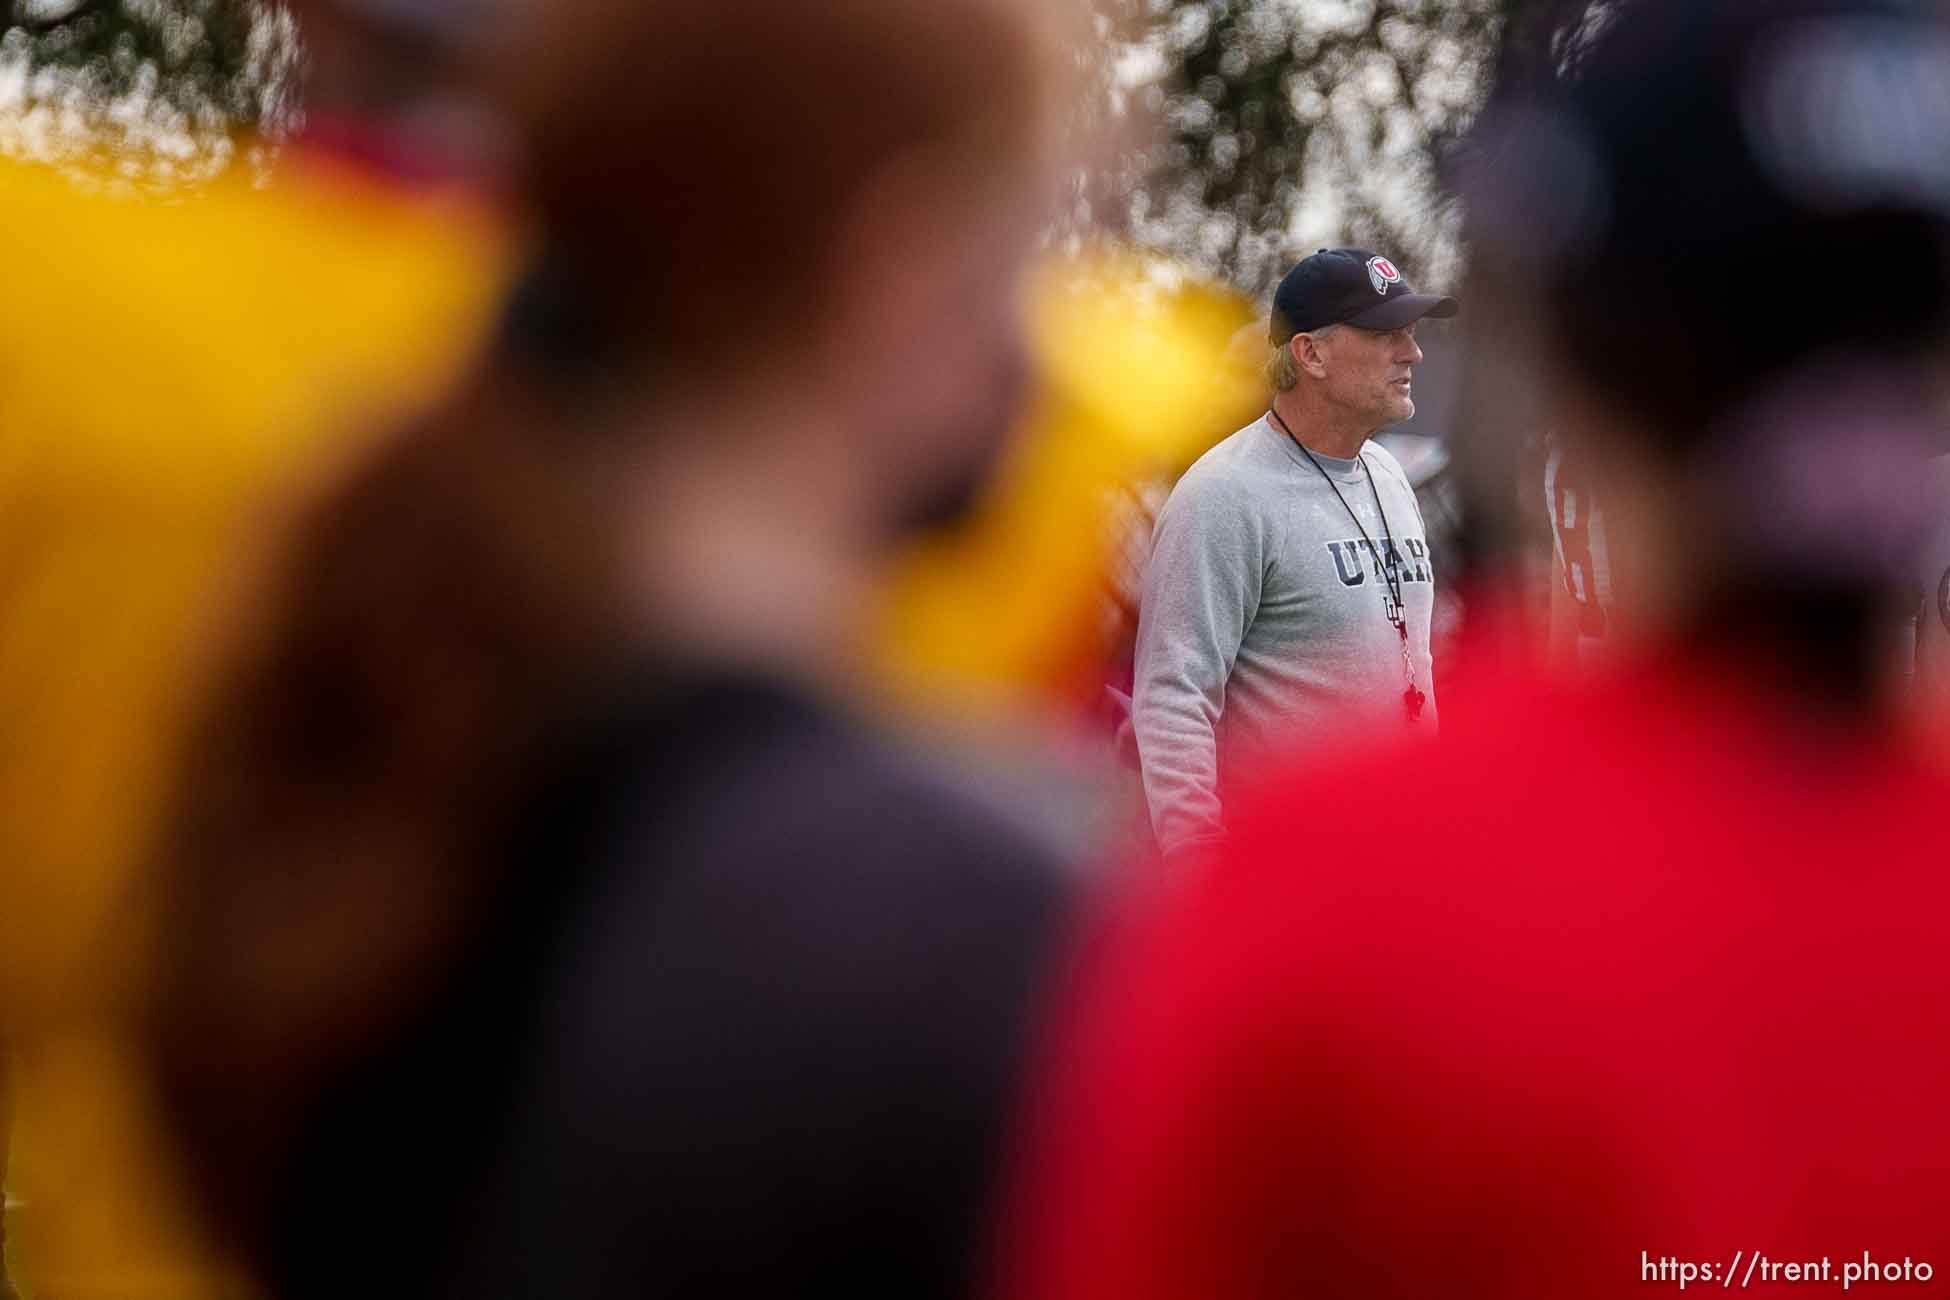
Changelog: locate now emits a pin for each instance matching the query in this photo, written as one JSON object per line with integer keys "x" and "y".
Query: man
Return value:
{"x": 1639, "y": 985}
{"x": 1290, "y": 586}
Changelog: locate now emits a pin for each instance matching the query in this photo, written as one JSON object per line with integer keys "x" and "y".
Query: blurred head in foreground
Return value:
{"x": 844, "y": 268}
{"x": 1463, "y": 1021}
{"x": 392, "y": 87}
{"x": 376, "y": 56}
{"x": 1719, "y": 247}
{"x": 771, "y": 326}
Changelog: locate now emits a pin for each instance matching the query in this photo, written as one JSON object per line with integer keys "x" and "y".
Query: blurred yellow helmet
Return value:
{"x": 1135, "y": 380}
{"x": 169, "y": 372}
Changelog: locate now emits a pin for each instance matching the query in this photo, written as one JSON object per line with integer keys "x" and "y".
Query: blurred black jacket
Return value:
{"x": 751, "y": 1024}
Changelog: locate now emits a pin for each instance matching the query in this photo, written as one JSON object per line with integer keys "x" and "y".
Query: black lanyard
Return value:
{"x": 1390, "y": 564}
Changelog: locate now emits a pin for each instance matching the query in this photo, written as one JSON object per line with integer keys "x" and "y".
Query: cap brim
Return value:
{"x": 1404, "y": 309}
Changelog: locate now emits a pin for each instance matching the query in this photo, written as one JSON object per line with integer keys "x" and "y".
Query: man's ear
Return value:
{"x": 1307, "y": 354}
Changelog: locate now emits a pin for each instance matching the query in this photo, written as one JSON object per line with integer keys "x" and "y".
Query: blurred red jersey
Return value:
{"x": 1640, "y": 987}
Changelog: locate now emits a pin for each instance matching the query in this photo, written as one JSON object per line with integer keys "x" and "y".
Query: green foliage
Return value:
{"x": 1295, "y": 123}
{"x": 155, "y": 91}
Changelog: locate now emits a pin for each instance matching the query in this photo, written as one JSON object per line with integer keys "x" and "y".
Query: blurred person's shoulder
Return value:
{"x": 1559, "y": 813}
{"x": 782, "y": 1002}
{"x": 1557, "y": 955}
{"x": 746, "y": 796}
{"x": 750, "y": 854}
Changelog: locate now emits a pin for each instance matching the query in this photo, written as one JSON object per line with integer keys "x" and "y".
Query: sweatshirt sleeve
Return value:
{"x": 1201, "y": 589}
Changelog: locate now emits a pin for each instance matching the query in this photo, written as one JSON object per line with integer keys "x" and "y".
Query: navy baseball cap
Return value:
{"x": 1349, "y": 286}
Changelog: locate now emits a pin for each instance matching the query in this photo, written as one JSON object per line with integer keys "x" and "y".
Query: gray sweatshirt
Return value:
{"x": 1264, "y": 625}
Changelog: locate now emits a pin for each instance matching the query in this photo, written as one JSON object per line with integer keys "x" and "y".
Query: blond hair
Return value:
{"x": 1282, "y": 369}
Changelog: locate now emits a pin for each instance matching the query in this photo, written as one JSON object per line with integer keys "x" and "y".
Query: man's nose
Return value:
{"x": 1413, "y": 354}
